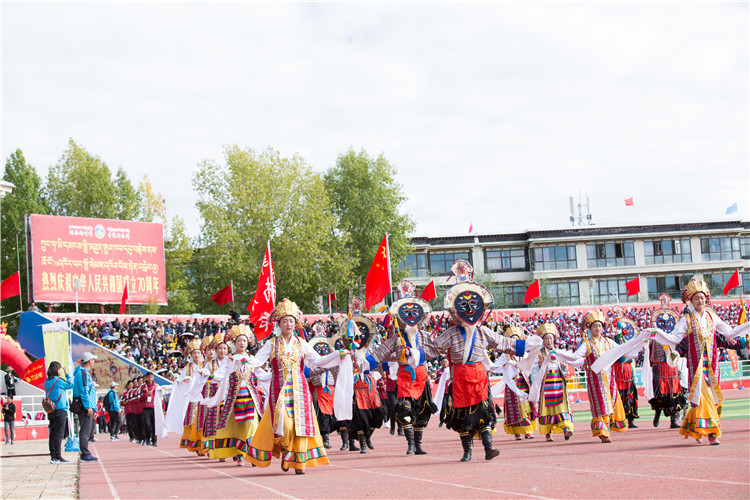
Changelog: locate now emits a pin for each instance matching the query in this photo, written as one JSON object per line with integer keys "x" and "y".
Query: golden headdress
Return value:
{"x": 545, "y": 328}
{"x": 286, "y": 308}
{"x": 592, "y": 317}
{"x": 193, "y": 345}
{"x": 219, "y": 338}
{"x": 515, "y": 330}
{"x": 206, "y": 343}
{"x": 237, "y": 331}
{"x": 694, "y": 287}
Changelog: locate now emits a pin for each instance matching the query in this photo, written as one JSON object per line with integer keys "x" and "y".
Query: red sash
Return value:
{"x": 469, "y": 385}
{"x": 409, "y": 389}
{"x": 325, "y": 400}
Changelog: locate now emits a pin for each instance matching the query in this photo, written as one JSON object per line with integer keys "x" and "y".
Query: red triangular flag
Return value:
{"x": 265, "y": 298}
{"x": 733, "y": 282}
{"x": 224, "y": 295}
{"x": 629, "y": 202}
{"x": 378, "y": 283}
{"x": 124, "y": 298}
{"x": 331, "y": 298}
{"x": 633, "y": 286}
{"x": 11, "y": 286}
{"x": 532, "y": 292}
{"x": 429, "y": 292}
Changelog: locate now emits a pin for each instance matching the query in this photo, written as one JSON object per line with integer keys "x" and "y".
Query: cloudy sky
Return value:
{"x": 493, "y": 113}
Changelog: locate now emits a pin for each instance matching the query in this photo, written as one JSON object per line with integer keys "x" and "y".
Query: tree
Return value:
{"x": 256, "y": 197}
{"x": 26, "y": 198}
{"x": 178, "y": 254}
{"x": 367, "y": 200}
{"x": 152, "y": 203}
{"x": 127, "y": 199}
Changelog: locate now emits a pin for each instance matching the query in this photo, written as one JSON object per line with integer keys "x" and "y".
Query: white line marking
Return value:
{"x": 106, "y": 476}
{"x": 229, "y": 475}
{"x": 502, "y": 492}
{"x": 678, "y": 457}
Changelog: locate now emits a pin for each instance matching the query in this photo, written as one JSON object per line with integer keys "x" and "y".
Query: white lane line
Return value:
{"x": 677, "y": 457}
{"x": 106, "y": 475}
{"x": 280, "y": 493}
{"x": 442, "y": 483}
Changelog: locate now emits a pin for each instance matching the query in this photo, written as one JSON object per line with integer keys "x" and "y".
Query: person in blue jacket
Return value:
{"x": 113, "y": 408}
{"x": 84, "y": 389}
{"x": 54, "y": 388}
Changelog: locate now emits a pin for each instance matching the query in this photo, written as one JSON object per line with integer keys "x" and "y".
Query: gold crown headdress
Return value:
{"x": 694, "y": 287}
{"x": 237, "y": 331}
{"x": 545, "y": 328}
{"x": 219, "y": 338}
{"x": 515, "y": 330}
{"x": 592, "y": 317}
{"x": 206, "y": 343}
{"x": 286, "y": 308}
{"x": 193, "y": 345}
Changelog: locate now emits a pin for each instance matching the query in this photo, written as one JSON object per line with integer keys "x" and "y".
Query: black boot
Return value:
{"x": 353, "y": 442}
{"x": 400, "y": 430}
{"x": 369, "y": 440}
{"x": 393, "y": 426}
{"x": 466, "y": 443}
{"x": 409, "y": 433}
{"x": 489, "y": 453}
{"x": 344, "y": 439}
{"x": 673, "y": 421}
{"x": 362, "y": 443}
{"x": 326, "y": 443}
{"x": 657, "y": 414}
{"x": 418, "y": 443}
{"x": 631, "y": 424}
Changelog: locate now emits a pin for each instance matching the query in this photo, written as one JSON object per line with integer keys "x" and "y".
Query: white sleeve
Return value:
{"x": 315, "y": 359}
{"x": 729, "y": 332}
{"x": 253, "y": 361}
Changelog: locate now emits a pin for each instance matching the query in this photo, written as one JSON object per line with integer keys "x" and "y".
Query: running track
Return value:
{"x": 644, "y": 462}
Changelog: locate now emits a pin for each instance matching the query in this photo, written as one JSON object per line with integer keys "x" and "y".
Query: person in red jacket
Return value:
{"x": 127, "y": 407}
{"x": 137, "y": 407}
{"x": 148, "y": 394}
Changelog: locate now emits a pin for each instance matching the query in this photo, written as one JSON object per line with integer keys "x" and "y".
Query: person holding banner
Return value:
{"x": 84, "y": 401}
{"x": 58, "y": 381}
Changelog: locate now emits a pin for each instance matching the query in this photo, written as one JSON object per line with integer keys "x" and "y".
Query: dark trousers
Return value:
{"x": 130, "y": 424}
{"x": 10, "y": 430}
{"x": 114, "y": 423}
{"x": 57, "y": 420}
{"x": 138, "y": 420}
{"x": 392, "y": 401}
{"x": 149, "y": 426}
{"x": 87, "y": 426}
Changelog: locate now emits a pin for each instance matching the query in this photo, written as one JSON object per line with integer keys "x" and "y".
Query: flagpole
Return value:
{"x": 18, "y": 262}
{"x": 231, "y": 288}
{"x": 390, "y": 277}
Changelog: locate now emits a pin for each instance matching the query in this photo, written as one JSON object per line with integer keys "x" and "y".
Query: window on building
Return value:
{"x": 610, "y": 254}
{"x": 417, "y": 263}
{"x": 745, "y": 247}
{"x": 555, "y": 257}
{"x": 717, "y": 280}
{"x": 608, "y": 291}
{"x": 671, "y": 284}
{"x": 720, "y": 248}
{"x": 563, "y": 293}
{"x": 508, "y": 296}
{"x": 441, "y": 262}
{"x": 667, "y": 251}
{"x": 505, "y": 259}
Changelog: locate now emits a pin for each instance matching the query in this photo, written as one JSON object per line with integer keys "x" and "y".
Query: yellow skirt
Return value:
{"x": 298, "y": 451}
{"x": 525, "y": 409}
{"x": 616, "y": 421}
{"x": 558, "y": 416}
{"x": 192, "y": 439}
{"x": 704, "y": 419}
{"x": 233, "y": 439}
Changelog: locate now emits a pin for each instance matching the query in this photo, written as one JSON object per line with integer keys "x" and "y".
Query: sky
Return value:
{"x": 493, "y": 113}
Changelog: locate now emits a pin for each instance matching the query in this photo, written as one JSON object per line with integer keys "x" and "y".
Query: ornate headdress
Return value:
{"x": 694, "y": 287}
{"x": 664, "y": 318}
{"x": 238, "y": 330}
{"x": 408, "y": 309}
{"x": 467, "y": 301}
{"x": 592, "y": 317}
{"x": 545, "y": 328}
{"x": 206, "y": 343}
{"x": 515, "y": 330}
{"x": 355, "y": 328}
{"x": 286, "y": 308}
{"x": 193, "y": 345}
{"x": 319, "y": 329}
{"x": 219, "y": 338}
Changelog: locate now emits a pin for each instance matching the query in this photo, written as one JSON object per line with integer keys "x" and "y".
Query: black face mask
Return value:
{"x": 469, "y": 307}
{"x": 411, "y": 314}
{"x": 665, "y": 322}
{"x": 364, "y": 334}
{"x": 322, "y": 348}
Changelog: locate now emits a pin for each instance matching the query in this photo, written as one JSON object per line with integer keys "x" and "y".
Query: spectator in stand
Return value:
{"x": 9, "y": 419}
{"x": 54, "y": 387}
{"x": 85, "y": 392}
{"x": 112, "y": 406}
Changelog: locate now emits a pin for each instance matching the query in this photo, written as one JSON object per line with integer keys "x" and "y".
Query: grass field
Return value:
{"x": 732, "y": 409}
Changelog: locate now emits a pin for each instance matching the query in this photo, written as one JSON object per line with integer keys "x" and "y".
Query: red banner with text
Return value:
{"x": 97, "y": 256}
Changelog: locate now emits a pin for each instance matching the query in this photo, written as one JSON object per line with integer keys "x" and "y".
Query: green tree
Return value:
{"x": 367, "y": 200}
{"x": 152, "y": 204}
{"x": 255, "y": 197}
{"x": 178, "y": 254}
{"x": 126, "y": 198}
{"x": 26, "y": 198}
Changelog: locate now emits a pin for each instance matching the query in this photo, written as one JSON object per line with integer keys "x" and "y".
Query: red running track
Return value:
{"x": 643, "y": 462}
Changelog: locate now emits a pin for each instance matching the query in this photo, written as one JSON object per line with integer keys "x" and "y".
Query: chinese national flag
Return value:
{"x": 629, "y": 202}
{"x": 532, "y": 292}
{"x": 11, "y": 286}
{"x": 124, "y": 298}
{"x": 429, "y": 292}
{"x": 633, "y": 286}
{"x": 378, "y": 283}
{"x": 224, "y": 295}
{"x": 265, "y": 298}
{"x": 733, "y": 282}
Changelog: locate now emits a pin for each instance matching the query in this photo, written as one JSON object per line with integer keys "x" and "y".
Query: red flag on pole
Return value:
{"x": 429, "y": 292}
{"x": 532, "y": 292}
{"x": 633, "y": 286}
{"x": 265, "y": 298}
{"x": 224, "y": 295}
{"x": 331, "y": 299}
{"x": 733, "y": 282}
{"x": 11, "y": 286}
{"x": 124, "y": 298}
{"x": 378, "y": 283}
{"x": 629, "y": 202}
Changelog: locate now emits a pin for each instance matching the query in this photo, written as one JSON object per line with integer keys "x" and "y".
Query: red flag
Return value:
{"x": 124, "y": 298}
{"x": 629, "y": 202}
{"x": 265, "y": 298}
{"x": 224, "y": 295}
{"x": 532, "y": 292}
{"x": 11, "y": 286}
{"x": 331, "y": 298}
{"x": 378, "y": 283}
{"x": 471, "y": 227}
{"x": 570, "y": 373}
{"x": 429, "y": 292}
{"x": 733, "y": 282}
{"x": 733, "y": 359}
{"x": 633, "y": 286}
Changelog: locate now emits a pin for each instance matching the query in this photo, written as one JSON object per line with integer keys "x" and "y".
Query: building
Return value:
{"x": 590, "y": 265}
